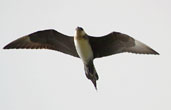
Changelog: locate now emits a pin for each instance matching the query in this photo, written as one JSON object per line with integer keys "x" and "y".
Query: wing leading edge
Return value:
{"x": 116, "y": 42}
{"x": 46, "y": 39}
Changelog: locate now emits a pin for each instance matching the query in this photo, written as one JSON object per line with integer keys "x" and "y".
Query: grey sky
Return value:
{"x": 50, "y": 80}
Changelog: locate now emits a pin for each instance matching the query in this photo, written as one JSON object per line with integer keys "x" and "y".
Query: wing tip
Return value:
{"x": 152, "y": 51}
{"x": 145, "y": 53}
{"x": 12, "y": 45}
{"x": 144, "y": 49}
{"x": 7, "y": 47}
{"x": 155, "y": 53}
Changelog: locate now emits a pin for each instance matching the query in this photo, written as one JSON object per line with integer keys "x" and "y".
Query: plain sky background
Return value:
{"x": 50, "y": 80}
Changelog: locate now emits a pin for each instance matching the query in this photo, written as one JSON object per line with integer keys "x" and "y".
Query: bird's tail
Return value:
{"x": 91, "y": 73}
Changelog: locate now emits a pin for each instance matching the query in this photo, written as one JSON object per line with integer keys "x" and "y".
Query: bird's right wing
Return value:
{"x": 46, "y": 39}
{"x": 116, "y": 42}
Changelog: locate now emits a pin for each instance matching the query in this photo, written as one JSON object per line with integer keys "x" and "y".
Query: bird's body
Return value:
{"x": 85, "y": 52}
{"x": 82, "y": 46}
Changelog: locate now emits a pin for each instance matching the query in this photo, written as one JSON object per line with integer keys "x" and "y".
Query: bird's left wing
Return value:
{"x": 46, "y": 39}
{"x": 116, "y": 42}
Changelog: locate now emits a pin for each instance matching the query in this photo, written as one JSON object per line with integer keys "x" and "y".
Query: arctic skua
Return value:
{"x": 83, "y": 46}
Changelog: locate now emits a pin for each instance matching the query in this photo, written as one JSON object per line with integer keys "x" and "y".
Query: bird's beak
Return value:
{"x": 77, "y": 28}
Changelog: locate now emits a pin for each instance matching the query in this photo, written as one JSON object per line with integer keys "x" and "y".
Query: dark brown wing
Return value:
{"x": 46, "y": 39}
{"x": 116, "y": 42}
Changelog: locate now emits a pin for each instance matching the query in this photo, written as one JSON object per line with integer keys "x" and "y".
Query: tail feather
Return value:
{"x": 91, "y": 73}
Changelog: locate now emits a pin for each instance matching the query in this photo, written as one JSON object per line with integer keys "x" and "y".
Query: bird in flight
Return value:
{"x": 83, "y": 46}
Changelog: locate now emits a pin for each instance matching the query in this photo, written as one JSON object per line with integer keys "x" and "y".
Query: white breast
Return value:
{"x": 84, "y": 49}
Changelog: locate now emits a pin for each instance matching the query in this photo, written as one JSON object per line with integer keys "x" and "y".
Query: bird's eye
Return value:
{"x": 81, "y": 28}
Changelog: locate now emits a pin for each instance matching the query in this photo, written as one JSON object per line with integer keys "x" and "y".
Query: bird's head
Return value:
{"x": 79, "y": 32}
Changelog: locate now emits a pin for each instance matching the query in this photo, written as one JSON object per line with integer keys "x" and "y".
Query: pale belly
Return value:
{"x": 84, "y": 49}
